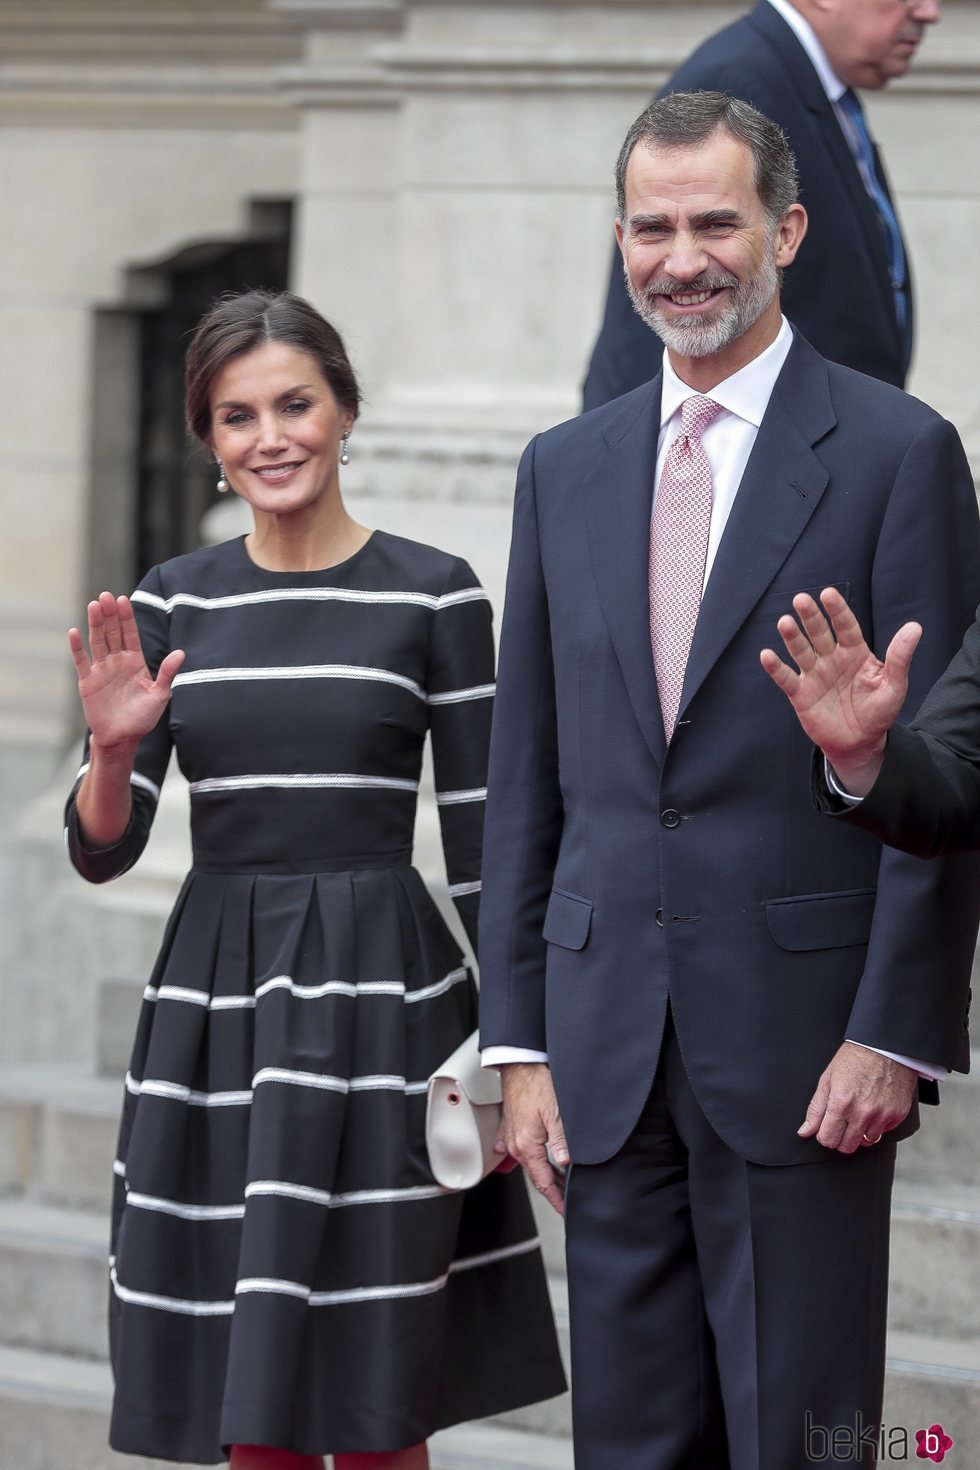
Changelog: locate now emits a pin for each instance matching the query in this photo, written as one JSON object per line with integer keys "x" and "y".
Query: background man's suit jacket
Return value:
{"x": 838, "y": 292}
{"x": 927, "y": 798}
{"x": 616, "y": 871}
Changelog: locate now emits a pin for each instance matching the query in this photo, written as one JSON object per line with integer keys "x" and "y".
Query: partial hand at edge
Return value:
{"x": 844, "y": 697}
{"x": 859, "y": 1097}
{"x": 532, "y": 1128}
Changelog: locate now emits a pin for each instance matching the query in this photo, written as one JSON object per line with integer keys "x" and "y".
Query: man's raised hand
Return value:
{"x": 844, "y": 697}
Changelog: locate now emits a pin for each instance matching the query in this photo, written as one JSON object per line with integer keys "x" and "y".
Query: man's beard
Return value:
{"x": 704, "y": 334}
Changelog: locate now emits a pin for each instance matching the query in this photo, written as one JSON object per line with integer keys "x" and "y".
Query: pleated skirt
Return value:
{"x": 284, "y": 1269}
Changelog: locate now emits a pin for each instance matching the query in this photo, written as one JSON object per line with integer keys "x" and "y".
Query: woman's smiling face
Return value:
{"x": 276, "y": 427}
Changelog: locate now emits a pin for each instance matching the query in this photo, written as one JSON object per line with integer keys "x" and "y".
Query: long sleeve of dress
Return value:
{"x": 460, "y": 696}
{"x": 99, "y": 865}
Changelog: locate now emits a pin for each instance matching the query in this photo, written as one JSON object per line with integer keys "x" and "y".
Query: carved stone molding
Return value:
{"x": 67, "y": 63}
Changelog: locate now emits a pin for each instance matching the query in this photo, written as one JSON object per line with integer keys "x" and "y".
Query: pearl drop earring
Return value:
{"x": 344, "y": 449}
{"x": 222, "y": 484}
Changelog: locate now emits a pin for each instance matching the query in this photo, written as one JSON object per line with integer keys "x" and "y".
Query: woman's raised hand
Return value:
{"x": 122, "y": 702}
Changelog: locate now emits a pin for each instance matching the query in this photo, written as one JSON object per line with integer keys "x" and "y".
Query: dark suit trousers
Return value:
{"x": 715, "y": 1303}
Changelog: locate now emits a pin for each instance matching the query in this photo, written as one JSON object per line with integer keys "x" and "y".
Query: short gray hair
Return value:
{"x": 687, "y": 119}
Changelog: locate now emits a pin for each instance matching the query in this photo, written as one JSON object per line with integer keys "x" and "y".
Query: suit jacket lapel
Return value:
{"x": 781, "y": 488}
{"x": 618, "y": 490}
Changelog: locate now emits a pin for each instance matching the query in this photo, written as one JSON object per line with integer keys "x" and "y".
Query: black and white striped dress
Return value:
{"x": 284, "y": 1269}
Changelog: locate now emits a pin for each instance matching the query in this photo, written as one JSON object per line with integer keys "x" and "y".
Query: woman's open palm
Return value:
{"x": 121, "y": 700}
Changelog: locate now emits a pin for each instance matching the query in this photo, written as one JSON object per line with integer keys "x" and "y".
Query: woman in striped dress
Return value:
{"x": 287, "y": 1280}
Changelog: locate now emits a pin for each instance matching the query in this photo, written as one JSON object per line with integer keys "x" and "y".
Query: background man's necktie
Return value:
{"x": 678, "y": 548}
{"x": 863, "y": 149}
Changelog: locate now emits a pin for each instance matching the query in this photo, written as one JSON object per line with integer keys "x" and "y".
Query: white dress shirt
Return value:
{"x": 728, "y": 441}
{"x": 807, "y": 37}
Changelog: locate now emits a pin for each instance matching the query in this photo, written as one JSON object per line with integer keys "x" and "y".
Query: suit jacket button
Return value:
{"x": 670, "y": 818}
{"x": 659, "y": 916}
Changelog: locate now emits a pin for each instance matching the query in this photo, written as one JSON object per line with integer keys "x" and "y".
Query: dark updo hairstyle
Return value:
{"x": 238, "y": 324}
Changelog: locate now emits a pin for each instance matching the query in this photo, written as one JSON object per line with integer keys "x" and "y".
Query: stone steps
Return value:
{"x": 69, "y": 1401}
{"x": 933, "y": 1381}
{"x": 935, "y": 1261}
{"x": 58, "y": 1127}
{"x": 944, "y": 1151}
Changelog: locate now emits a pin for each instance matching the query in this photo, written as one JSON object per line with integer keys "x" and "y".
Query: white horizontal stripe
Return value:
{"x": 394, "y": 988}
{"x": 379, "y": 1083}
{"x": 460, "y": 890}
{"x": 457, "y": 696}
{"x": 180, "y": 992}
{"x": 283, "y": 1189}
{"x": 135, "y": 779}
{"x": 351, "y": 1295}
{"x": 347, "y": 1296}
{"x": 376, "y": 1293}
{"x": 184, "y": 1212}
{"x": 454, "y": 798}
{"x": 468, "y": 594}
{"x": 489, "y": 1258}
{"x": 298, "y": 671}
{"x": 410, "y": 1194}
{"x": 170, "y": 1303}
{"x": 385, "y": 1082}
{"x": 331, "y": 987}
{"x": 119, "y": 1168}
{"x": 344, "y": 1297}
{"x": 322, "y": 1080}
{"x": 177, "y": 1092}
{"x": 426, "y": 992}
{"x": 271, "y": 1284}
{"x": 309, "y": 594}
{"x": 301, "y": 783}
{"x": 308, "y": 1195}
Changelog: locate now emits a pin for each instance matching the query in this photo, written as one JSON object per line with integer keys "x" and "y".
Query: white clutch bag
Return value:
{"x": 462, "y": 1117}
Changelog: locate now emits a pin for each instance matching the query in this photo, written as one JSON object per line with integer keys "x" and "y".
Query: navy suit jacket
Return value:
{"x": 618, "y": 871}
{"x": 838, "y": 291}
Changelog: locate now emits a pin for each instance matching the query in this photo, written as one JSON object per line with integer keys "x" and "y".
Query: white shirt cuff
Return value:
{"x": 927, "y": 1070}
{"x": 838, "y": 790}
{"x": 499, "y": 1056}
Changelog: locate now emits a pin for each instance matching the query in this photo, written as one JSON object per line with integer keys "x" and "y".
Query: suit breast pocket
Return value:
{"x": 822, "y": 920}
{"x": 567, "y": 920}
{"x": 777, "y": 602}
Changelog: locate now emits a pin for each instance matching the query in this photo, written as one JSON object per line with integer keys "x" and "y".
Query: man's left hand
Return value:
{"x": 859, "y": 1097}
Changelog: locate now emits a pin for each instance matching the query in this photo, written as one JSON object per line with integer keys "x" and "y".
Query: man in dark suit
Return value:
{"x": 916, "y": 787}
{"x": 719, "y": 999}
{"x": 800, "y": 62}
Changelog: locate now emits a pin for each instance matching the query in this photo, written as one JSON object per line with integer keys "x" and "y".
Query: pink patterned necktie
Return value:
{"x": 678, "y": 548}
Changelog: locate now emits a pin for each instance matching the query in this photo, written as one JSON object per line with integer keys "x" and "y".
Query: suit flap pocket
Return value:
{"x": 567, "y": 920}
{"x": 822, "y": 920}
{"x": 776, "y": 603}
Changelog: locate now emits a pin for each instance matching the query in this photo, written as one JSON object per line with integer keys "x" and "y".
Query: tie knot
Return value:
{"x": 696, "y": 414}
